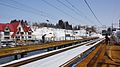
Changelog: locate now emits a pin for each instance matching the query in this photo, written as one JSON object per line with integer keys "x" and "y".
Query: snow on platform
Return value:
{"x": 59, "y": 59}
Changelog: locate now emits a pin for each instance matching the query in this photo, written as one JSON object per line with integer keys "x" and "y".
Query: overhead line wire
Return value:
{"x": 93, "y": 12}
{"x": 32, "y": 8}
{"x": 67, "y": 6}
{"x": 79, "y": 11}
{"x": 10, "y": 5}
{"x": 59, "y": 9}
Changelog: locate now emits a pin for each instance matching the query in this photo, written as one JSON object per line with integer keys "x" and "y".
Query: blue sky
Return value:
{"x": 107, "y": 11}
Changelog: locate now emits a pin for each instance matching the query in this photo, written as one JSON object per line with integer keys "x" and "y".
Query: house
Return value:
{"x": 15, "y": 31}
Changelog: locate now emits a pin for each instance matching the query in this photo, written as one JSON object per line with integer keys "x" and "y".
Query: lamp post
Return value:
{"x": 0, "y": 39}
{"x": 86, "y": 31}
{"x": 26, "y": 38}
{"x": 15, "y": 41}
{"x": 65, "y": 31}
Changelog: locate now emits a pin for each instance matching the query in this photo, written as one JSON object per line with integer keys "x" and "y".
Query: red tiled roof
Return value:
{"x": 13, "y": 27}
{"x": 2, "y": 26}
{"x": 13, "y": 35}
{"x": 26, "y": 28}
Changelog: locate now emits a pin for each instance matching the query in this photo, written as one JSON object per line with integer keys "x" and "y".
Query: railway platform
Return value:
{"x": 103, "y": 56}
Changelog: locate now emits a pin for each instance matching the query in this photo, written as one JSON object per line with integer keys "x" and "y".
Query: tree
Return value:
{"x": 93, "y": 29}
{"x": 61, "y": 24}
{"x": 12, "y": 21}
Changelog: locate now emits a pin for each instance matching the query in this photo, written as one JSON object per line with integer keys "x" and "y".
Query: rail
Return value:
{"x": 41, "y": 56}
{"x": 22, "y": 49}
{"x": 74, "y": 61}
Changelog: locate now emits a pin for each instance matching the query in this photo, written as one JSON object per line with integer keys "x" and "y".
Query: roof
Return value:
{"x": 26, "y": 28}
{"x": 2, "y": 26}
{"x": 13, "y": 27}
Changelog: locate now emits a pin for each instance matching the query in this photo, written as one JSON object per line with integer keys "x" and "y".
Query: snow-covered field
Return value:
{"x": 59, "y": 34}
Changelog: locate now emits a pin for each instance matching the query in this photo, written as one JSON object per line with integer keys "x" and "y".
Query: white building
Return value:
{"x": 15, "y": 31}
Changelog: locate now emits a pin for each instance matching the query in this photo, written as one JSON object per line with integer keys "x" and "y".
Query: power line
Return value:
{"x": 59, "y": 10}
{"x": 72, "y": 5}
{"x": 13, "y": 7}
{"x": 24, "y": 10}
{"x": 67, "y": 6}
{"x": 7, "y": 5}
{"x": 76, "y": 10}
{"x": 39, "y": 11}
{"x": 92, "y": 12}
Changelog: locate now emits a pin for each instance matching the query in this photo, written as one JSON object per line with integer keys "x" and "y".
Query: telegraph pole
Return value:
{"x": 112, "y": 27}
{"x": 119, "y": 23}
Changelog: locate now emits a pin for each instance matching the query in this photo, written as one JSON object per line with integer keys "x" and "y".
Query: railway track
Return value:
{"x": 15, "y": 53}
{"x": 42, "y": 56}
{"x": 29, "y": 48}
{"x": 46, "y": 54}
{"x": 77, "y": 59}
{"x": 10, "y": 54}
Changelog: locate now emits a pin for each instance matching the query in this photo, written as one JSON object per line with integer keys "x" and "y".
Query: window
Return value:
{"x": 17, "y": 32}
{"x": 67, "y": 35}
{"x": 50, "y": 33}
{"x": 29, "y": 33}
{"x": 29, "y": 36}
{"x": 22, "y": 33}
{"x": 6, "y": 29}
{"x": 6, "y": 37}
{"x": 6, "y": 33}
{"x": 75, "y": 32}
{"x": 19, "y": 29}
{"x": 22, "y": 37}
{"x": 17, "y": 37}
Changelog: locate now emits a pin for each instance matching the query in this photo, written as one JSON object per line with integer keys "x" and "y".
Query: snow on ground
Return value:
{"x": 59, "y": 59}
{"x": 59, "y": 34}
{"x": 100, "y": 36}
